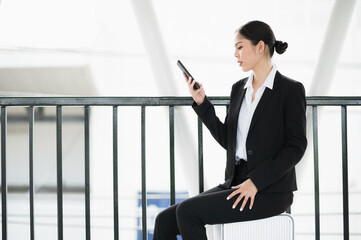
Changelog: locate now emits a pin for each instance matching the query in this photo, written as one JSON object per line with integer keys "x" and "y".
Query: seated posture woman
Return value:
{"x": 264, "y": 134}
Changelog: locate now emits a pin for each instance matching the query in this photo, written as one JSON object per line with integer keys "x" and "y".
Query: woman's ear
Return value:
{"x": 261, "y": 47}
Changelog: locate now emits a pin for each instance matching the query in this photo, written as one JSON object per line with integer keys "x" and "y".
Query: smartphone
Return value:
{"x": 181, "y": 66}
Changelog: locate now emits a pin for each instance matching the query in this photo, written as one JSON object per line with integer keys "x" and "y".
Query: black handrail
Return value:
{"x": 153, "y": 101}
{"x": 143, "y": 102}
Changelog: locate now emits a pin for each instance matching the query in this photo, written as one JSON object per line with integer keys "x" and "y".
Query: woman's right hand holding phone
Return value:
{"x": 199, "y": 94}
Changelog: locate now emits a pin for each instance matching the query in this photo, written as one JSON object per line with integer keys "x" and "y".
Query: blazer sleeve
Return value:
{"x": 207, "y": 114}
{"x": 273, "y": 169}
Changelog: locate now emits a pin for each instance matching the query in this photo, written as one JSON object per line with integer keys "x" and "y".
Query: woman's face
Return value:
{"x": 246, "y": 53}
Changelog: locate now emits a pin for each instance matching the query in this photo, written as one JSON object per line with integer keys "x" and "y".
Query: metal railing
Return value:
{"x": 143, "y": 102}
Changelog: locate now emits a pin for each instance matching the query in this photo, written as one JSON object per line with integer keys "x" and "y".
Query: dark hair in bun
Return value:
{"x": 256, "y": 31}
{"x": 280, "y": 47}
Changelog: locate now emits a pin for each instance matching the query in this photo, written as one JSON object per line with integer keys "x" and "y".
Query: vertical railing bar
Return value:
{"x": 31, "y": 170}
{"x": 115, "y": 172}
{"x": 227, "y": 109}
{"x": 288, "y": 210}
{"x": 171, "y": 150}
{"x": 87, "y": 172}
{"x": 200, "y": 156}
{"x": 59, "y": 171}
{"x": 345, "y": 173}
{"x": 144, "y": 189}
{"x": 4, "y": 220}
{"x": 316, "y": 173}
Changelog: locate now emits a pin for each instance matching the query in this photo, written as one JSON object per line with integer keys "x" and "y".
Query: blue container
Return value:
{"x": 156, "y": 202}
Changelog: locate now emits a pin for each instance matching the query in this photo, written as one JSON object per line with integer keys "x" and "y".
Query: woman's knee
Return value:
{"x": 185, "y": 210}
{"x": 165, "y": 217}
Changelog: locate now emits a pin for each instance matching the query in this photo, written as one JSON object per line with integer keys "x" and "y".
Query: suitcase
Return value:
{"x": 280, "y": 227}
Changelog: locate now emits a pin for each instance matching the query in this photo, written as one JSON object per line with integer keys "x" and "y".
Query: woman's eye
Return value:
{"x": 239, "y": 48}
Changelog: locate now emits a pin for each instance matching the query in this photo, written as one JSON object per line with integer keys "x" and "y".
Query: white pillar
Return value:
{"x": 164, "y": 79}
{"x": 332, "y": 46}
{"x": 328, "y": 59}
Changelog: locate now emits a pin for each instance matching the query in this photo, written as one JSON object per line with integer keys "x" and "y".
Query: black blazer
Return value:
{"x": 276, "y": 139}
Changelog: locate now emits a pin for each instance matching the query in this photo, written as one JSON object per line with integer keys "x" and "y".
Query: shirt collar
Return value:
{"x": 269, "y": 80}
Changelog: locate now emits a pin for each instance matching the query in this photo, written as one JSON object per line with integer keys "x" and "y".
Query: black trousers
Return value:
{"x": 189, "y": 217}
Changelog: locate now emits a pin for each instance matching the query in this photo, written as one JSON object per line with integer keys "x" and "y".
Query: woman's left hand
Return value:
{"x": 246, "y": 190}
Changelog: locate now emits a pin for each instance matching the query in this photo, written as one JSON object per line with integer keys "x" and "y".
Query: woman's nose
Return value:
{"x": 236, "y": 53}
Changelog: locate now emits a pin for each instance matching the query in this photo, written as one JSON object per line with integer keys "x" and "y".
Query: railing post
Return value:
{"x": 171, "y": 157}
{"x": 31, "y": 171}
{"x": 115, "y": 172}
{"x": 87, "y": 172}
{"x": 316, "y": 173}
{"x": 346, "y": 234}
{"x": 200, "y": 156}
{"x": 144, "y": 188}
{"x": 4, "y": 187}
{"x": 59, "y": 164}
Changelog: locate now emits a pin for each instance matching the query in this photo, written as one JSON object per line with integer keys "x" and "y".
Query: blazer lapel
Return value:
{"x": 267, "y": 94}
{"x": 233, "y": 114}
{"x": 238, "y": 103}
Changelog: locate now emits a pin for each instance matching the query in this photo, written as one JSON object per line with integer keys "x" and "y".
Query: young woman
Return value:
{"x": 264, "y": 134}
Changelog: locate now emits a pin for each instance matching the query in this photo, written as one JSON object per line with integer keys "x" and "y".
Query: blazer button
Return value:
{"x": 250, "y": 152}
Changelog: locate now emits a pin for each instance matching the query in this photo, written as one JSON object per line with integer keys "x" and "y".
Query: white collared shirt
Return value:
{"x": 247, "y": 110}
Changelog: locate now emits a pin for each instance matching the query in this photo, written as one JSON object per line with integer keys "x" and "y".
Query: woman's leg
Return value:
{"x": 166, "y": 226}
{"x": 213, "y": 208}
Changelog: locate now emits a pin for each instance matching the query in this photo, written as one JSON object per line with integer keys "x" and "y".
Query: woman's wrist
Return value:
{"x": 200, "y": 101}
